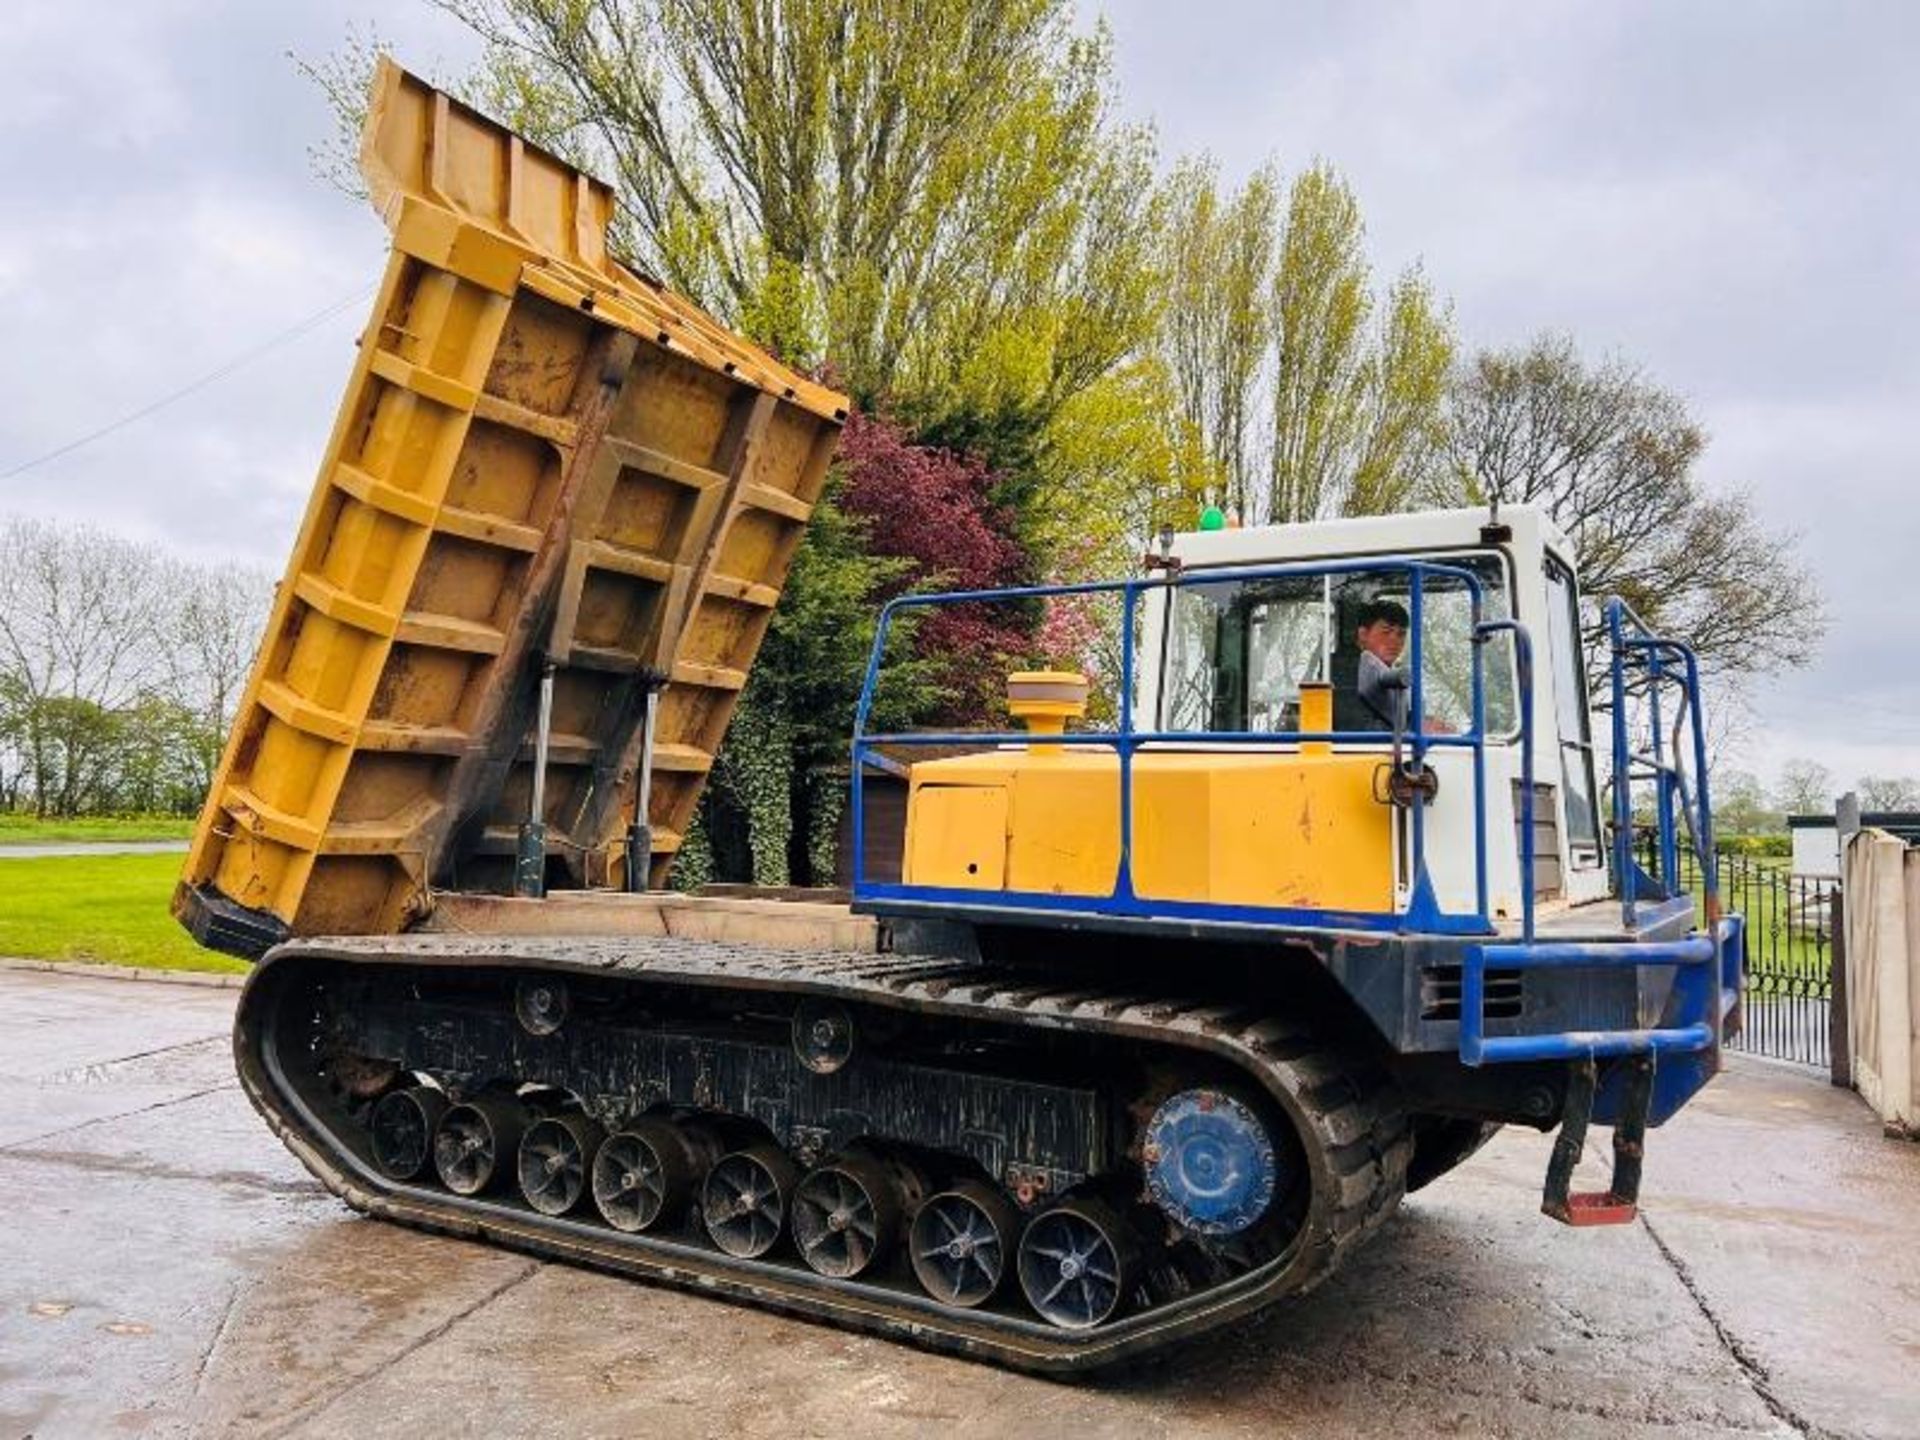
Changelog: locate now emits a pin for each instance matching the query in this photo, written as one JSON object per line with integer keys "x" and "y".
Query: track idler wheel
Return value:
{"x": 961, "y": 1242}
{"x": 1078, "y": 1264}
{"x": 474, "y": 1143}
{"x": 745, "y": 1201}
{"x": 554, "y": 1156}
{"x": 401, "y": 1130}
{"x": 847, "y": 1216}
{"x": 645, "y": 1174}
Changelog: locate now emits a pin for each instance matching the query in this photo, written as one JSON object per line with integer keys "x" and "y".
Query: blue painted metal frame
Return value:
{"x": 1636, "y": 647}
{"x": 1523, "y": 678}
{"x": 1422, "y": 913}
{"x": 1686, "y": 1044}
{"x": 1697, "y": 1027}
{"x": 1707, "y": 967}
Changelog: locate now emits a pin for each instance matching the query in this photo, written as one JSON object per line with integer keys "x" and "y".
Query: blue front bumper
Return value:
{"x": 1686, "y": 1044}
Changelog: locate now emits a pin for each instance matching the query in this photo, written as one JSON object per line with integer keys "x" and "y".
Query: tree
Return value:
{"x": 934, "y": 510}
{"x": 1358, "y": 406}
{"x": 212, "y": 630}
{"x": 1403, "y": 420}
{"x": 900, "y": 184}
{"x": 1321, "y": 304}
{"x": 1805, "y": 787}
{"x": 1221, "y": 255}
{"x": 15, "y": 706}
{"x": 80, "y": 618}
{"x": 1888, "y": 792}
{"x": 120, "y": 670}
{"x": 1740, "y": 804}
{"x": 1610, "y": 455}
{"x": 1311, "y": 396}
{"x": 1116, "y": 466}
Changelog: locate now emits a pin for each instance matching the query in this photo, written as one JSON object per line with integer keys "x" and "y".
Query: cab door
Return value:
{"x": 1573, "y": 713}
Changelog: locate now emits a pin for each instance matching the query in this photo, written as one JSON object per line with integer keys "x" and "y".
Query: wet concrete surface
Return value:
{"x": 166, "y": 1268}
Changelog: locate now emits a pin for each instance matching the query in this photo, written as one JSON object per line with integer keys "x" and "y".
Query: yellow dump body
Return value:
{"x": 540, "y": 456}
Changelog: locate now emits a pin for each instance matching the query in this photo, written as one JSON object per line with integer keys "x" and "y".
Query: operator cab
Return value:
{"x": 1233, "y": 656}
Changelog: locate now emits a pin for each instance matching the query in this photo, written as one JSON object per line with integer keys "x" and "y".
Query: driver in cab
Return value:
{"x": 1364, "y": 688}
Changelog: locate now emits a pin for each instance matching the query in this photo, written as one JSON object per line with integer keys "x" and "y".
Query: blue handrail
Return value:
{"x": 1421, "y": 911}
{"x": 1635, "y": 645}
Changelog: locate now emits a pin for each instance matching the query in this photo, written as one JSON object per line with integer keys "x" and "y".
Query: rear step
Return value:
{"x": 1706, "y": 991}
{"x": 1618, "y": 1204}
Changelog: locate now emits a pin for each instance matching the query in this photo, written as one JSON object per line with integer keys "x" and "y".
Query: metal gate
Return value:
{"x": 1788, "y": 992}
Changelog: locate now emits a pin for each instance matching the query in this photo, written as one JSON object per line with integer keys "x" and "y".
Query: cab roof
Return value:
{"x": 1414, "y": 532}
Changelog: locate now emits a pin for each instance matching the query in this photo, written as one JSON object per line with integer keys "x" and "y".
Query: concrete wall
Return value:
{"x": 1883, "y": 975}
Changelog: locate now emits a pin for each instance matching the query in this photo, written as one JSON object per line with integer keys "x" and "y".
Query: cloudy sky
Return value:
{"x": 1727, "y": 193}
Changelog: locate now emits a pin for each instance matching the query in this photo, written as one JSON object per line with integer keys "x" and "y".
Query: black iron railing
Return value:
{"x": 1788, "y": 994}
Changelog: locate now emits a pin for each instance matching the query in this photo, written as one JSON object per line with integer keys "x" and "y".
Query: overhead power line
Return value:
{"x": 239, "y": 362}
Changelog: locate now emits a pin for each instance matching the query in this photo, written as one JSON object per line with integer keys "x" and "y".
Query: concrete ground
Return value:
{"x": 165, "y": 1268}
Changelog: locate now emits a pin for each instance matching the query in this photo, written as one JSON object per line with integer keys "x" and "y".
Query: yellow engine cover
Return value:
{"x": 1279, "y": 829}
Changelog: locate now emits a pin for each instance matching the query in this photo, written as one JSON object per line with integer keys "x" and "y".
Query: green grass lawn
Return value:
{"x": 25, "y": 830}
{"x": 110, "y": 908}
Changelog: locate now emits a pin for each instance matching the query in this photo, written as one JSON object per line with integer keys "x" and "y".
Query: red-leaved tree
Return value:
{"x": 935, "y": 509}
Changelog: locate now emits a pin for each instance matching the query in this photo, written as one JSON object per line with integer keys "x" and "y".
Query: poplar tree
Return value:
{"x": 900, "y": 184}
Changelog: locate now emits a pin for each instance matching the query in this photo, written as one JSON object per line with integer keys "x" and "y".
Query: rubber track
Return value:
{"x": 1358, "y": 1139}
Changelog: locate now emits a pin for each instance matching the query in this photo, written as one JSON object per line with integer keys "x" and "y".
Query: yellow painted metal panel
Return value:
{"x": 1066, "y": 823}
{"x": 539, "y": 453}
{"x": 1277, "y": 829}
{"x": 960, "y": 837}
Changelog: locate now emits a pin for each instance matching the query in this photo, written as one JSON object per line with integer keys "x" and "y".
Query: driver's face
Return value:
{"x": 1383, "y": 640}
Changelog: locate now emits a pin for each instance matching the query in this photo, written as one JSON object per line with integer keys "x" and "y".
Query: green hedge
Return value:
{"x": 1756, "y": 847}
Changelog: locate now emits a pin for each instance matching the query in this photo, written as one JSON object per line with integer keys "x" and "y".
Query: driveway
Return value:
{"x": 166, "y": 1268}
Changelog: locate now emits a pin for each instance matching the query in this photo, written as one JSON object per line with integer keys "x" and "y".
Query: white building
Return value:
{"x": 1816, "y": 838}
{"x": 1816, "y": 846}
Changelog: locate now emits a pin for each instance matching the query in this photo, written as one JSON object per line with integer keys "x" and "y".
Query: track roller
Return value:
{"x": 401, "y": 1130}
{"x": 961, "y": 1241}
{"x": 474, "y": 1141}
{"x": 847, "y": 1215}
{"x": 1078, "y": 1264}
{"x": 645, "y": 1173}
{"x": 541, "y": 1004}
{"x": 554, "y": 1156}
{"x": 822, "y": 1035}
{"x": 745, "y": 1200}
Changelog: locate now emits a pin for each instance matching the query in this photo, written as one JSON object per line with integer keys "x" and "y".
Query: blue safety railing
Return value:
{"x": 1707, "y": 967}
{"x": 1421, "y": 913}
{"x": 1654, "y": 667}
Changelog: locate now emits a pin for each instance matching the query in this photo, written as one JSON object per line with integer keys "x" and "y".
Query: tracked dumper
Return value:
{"x": 1133, "y": 1025}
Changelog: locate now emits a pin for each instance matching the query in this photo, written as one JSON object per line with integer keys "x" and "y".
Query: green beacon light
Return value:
{"x": 1212, "y": 518}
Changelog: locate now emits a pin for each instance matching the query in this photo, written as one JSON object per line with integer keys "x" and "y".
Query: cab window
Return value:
{"x": 1236, "y": 652}
{"x": 1572, "y": 714}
